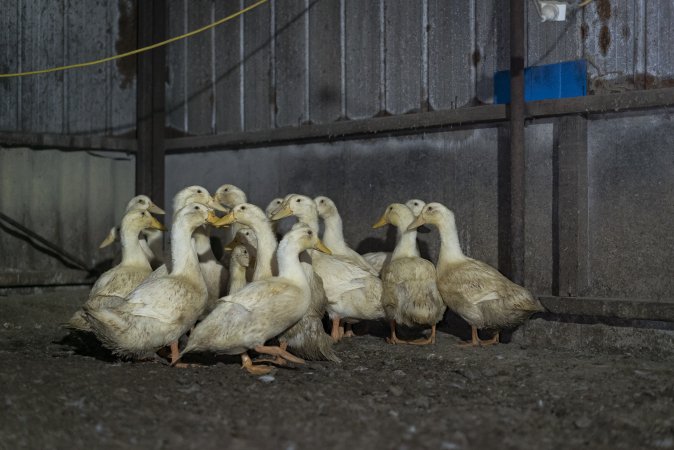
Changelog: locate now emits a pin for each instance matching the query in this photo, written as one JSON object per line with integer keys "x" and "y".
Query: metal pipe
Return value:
{"x": 517, "y": 161}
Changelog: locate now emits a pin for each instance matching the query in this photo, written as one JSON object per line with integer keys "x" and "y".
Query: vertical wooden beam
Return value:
{"x": 517, "y": 52}
{"x": 150, "y": 101}
{"x": 570, "y": 207}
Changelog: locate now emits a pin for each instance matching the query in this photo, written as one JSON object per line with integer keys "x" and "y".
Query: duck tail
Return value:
{"x": 309, "y": 341}
{"x": 77, "y": 322}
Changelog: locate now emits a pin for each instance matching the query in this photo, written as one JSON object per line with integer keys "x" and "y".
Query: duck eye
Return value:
{"x": 196, "y": 207}
{"x": 309, "y": 232}
{"x": 243, "y": 208}
{"x": 226, "y": 189}
{"x": 298, "y": 200}
{"x": 430, "y": 208}
{"x": 416, "y": 204}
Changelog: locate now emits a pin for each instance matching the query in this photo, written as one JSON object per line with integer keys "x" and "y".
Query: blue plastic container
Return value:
{"x": 560, "y": 80}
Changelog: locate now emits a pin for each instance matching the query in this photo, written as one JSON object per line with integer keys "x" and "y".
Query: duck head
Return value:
{"x": 143, "y": 203}
{"x": 196, "y": 194}
{"x": 230, "y": 195}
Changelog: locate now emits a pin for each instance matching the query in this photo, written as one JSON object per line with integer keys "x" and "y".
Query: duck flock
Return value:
{"x": 271, "y": 297}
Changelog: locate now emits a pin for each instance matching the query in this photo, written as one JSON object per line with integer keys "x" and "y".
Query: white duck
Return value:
{"x": 230, "y": 196}
{"x": 307, "y": 337}
{"x": 159, "y": 310}
{"x": 379, "y": 259}
{"x": 238, "y": 264}
{"x": 114, "y": 285}
{"x": 474, "y": 290}
{"x": 333, "y": 234}
{"x": 410, "y": 294}
{"x": 262, "y": 310}
{"x": 353, "y": 293}
{"x": 214, "y": 273}
{"x": 151, "y": 240}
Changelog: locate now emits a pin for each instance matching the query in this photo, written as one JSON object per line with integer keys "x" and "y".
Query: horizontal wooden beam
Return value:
{"x": 407, "y": 123}
{"x": 68, "y": 142}
{"x": 434, "y": 120}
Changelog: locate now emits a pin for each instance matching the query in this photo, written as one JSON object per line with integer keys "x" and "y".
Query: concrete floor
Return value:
{"x": 57, "y": 391}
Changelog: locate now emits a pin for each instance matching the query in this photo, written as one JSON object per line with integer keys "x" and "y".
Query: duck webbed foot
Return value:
{"x": 348, "y": 331}
{"x": 175, "y": 357}
{"x": 393, "y": 339}
{"x": 425, "y": 341}
{"x": 279, "y": 353}
{"x": 493, "y": 341}
{"x": 337, "y": 331}
{"x": 247, "y": 363}
{"x": 474, "y": 340}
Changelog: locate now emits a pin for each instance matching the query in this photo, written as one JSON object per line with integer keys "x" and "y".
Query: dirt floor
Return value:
{"x": 58, "y": 391}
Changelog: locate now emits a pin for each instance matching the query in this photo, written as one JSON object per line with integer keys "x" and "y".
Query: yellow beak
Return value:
{"x": 215, "y": 204}
{"x": 233, "y": 243}
{"x": 110, "y": 238}
{"x": 417, "y": 223}
{"x": 156, "y": 225}
{"x": 383, "y": 220}
{"x": 322, "y": 248}
{"x": 283, "y": 211}
{"x": 212, "y": 218}
{"x": 154, "y": 209}
{"x": 225, "y": 220}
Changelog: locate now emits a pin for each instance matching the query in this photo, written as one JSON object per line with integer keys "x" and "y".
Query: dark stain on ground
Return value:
{"x": 604, "y": 9}
{"x": 381, "y": 396}
{"x": 126, "y": 41}
{"x": 477, "y": 56}
{"x": 584, "y": 30}
{"x": 604, "y": 39}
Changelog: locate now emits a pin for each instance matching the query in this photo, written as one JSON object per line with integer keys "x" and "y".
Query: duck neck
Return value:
{"x": 266, "y": 246}
{"x": 132, "y": 252}
{"x": 289, "y": 263}
{"x": 407, "y": 244}
{"x": 310, "y": 218}
{"x": 184, "y": 258}
{"x": 450, "y": 248}
{"x": 202, "y": 244}
{"x": 333, "y": 235}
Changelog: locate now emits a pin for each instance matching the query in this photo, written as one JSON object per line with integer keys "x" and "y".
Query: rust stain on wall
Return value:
{"x": 604, "y": 39}
{"x": 604, "y": 9}
{"x": 476, "y": 57}
{"x": 584, "y": 30}
{"x": 127, "y": 41}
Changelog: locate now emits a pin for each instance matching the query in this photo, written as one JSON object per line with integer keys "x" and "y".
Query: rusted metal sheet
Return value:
{"x": 10, "y": 42}
{"x": 257, "y": 108}
{"x": 325, "y": 61}
{"x": 199, "y": 61}
{"x": 176, "y": 84}
{"x": 363, "y": 63}
{"x": 122, "y": 102}
{"x": 69, "y": 198}
{"x": 290, "y": 91}
{"x": 227, "y": 69}
{"x": 551, "y": 42}
{"x": 404, "y": 36}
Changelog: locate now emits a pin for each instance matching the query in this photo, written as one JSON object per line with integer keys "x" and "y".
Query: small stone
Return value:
{"x": 399, "y": 373}
{"x": 583, "y": 422}
{"x": 267, "y": 379}
{"x": 667, "y": 442}
{"x": 396, "y": 391}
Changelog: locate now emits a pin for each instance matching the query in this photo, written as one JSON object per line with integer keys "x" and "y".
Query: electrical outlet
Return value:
{"x": 552, "y": 11}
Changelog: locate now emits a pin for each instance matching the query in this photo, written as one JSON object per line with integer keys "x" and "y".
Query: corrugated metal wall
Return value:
{"x": 39, "y": 34}
{"x": 70, "y": 198}
{"x": 315, "y": 61}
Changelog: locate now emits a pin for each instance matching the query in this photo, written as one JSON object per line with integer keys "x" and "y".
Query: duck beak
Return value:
{"x": 215, "y": 204}
{"x": 225, "y": 220}
{"x": 110, "y": 238}
{"x": 156, "y": 225}
{"x": 154, "y": 209}
{"x": 417, "y": 223}
{"x": 233, "y": 243}
{"x": 282, "y": 211}
{"x": 383, "y": 220}
{"x": 212, "y": 218}
{"x": 322, "y": 248}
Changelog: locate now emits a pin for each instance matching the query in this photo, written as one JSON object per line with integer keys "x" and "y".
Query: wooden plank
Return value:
{"x": 10, "y": 62}
{"x": 67, "y": 142}
{"x": 363, "y": 59}
{"x": 290, "y": 63}
{"x": 552, "y": 42}
{"x": 450, "y": 54}
{"x": 491, "y": 46}
{"x": 176, "y": 90}
{"x": 123, "y": 79}
{"x": 659, "y": 71}
{"x": 228, "y": 67}
{"x": 42, "y": 95}
{"x": 570, "y": 217}
{"x": 257, "y": 65}
{"x": 403, "y": 56}
{"x": 86, "y": 88}
{"x": 200, "y": 95}
{"x": 339, "y": 130}
{"x": 325, "y": 68}
{"x": 610, "y": 45}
